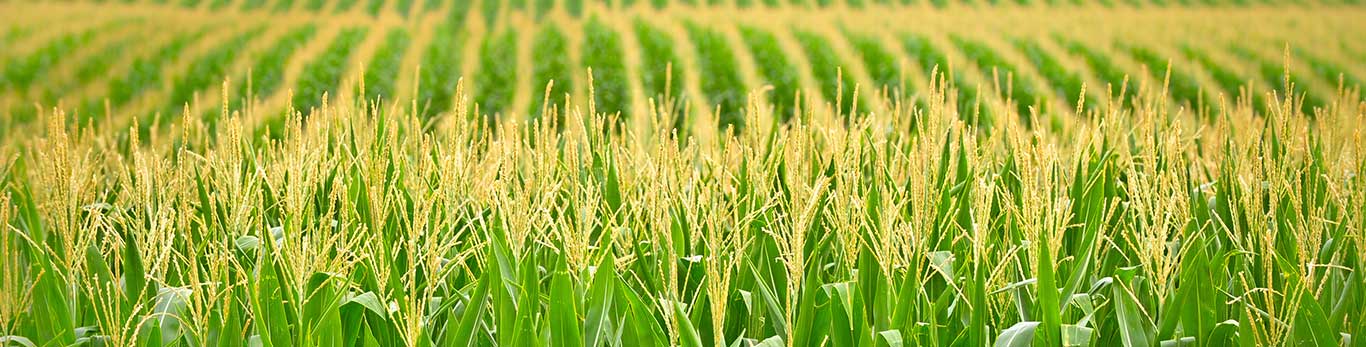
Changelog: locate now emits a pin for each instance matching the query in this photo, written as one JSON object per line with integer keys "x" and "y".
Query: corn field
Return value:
{"x": 770, "y": 173}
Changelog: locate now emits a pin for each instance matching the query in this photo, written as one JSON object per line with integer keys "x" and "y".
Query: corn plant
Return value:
{"x": 661, "y": 72}
{"x": 837, "y": 85}
{"x": 935, "y": 64}
{"x": 775, "y": 68}
{"x": 1065, "y": 83}
{"x": 602, "y": 53}
{"x": 496, "y": 83}
{"x": 1281, "y": 79}
{"x": 1180, "y": 83}
{"x": 206, "y": 70}
{"x": 439, "y": 71}
{"x": 719, "y": 79}
{"x": 266, "y": 73}
{"x": 1119, "y": 83}
{"x": 882, "y": 66}
{"x": 1004, "y": 76}
{"x": 552, "y": 75}
{"x": 384, "y": 67}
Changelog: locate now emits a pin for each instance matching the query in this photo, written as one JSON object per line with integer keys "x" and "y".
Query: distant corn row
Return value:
{"x": 539, "y": 8}
{"x": 704, "y": 69}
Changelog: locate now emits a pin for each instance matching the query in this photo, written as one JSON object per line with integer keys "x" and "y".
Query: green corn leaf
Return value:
{"x": 1019, "y": 335}
{"x": 598, "y": 327}
{"x": 463, "y": 331}
{"x": 1136, "y": 329}
{"x": 268, "y": 296}
{"x": 688, "y": 335}
{"x": 1076, "y": 336}
{"x": 564, "y": 317}
{"x": 1311, "y": 326}
{"x": 770, "y": 302}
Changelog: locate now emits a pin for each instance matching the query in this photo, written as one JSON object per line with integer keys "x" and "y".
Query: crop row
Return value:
{"x": 496, "y": 83}
{"x": 603, "y": 52}
{"x": 719, "y": 79}
{"x": 207, "y": 70}
{"x": 267, "y": 71}
{"x": 384, "y": 67}
{"x": 661, "y": 70}
{"x": 776, "y": 68}
{"x": 552, "y": 74}
{"x": 493, "y": 9}
{"x": 323, "y": 75}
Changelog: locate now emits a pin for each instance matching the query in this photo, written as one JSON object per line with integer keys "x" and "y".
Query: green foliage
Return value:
{"x": 836, "y": 84}
{"x": 248, "y": 5}
{"x": 283, "y": 6}
{"x": 880, "y": 63}
{"x": 323, "y": 75}
{"x": 373, "y": 7}
{"x": 1281, "y": 79}
{"x": 660, "y": 69}
{"x": 719, "y": 76}
{"x": 432, "y": 5}
{"x": 1182, "y": 85}
{"x": 387, "y": 227}
{"x": 343, "y": 6}
{"x": 267, "y": 70}
{"x": 574, "y": 7}
{"x": 550, "y": 51}
{"x": 602, "y": 51}
{"x": 805, "y": 235}
{"x": 543, "y": 7}
{"x": 496, "y": 82}
{"x": 1335, "y": 74}
{"x": 490, "y": 11}
{"x": 384, "y": 67}
{"x": 20, "y": 73}
{"x": 1121, "y": 84}
{"x": 1065, "y": 83}
{"x": 1231, "y": 82}
{"x": 440, "y": 70}
{"x": 775, "y": 67}
{"x": 146, "y": 72}
{"x": 207, "y": 70}
{"x": 402, "y": 7}
{"x": 935, "y": 64}
{"x": 1004, "y": 75}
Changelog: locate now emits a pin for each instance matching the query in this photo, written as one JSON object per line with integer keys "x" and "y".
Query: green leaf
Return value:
{"x": 1134, "y": 328}
{"x": 564, "y": 316}
{"x": 1019, "y": 335}
{"x": 889, "y": 338}
{"x": 1311, "y": 325}
{"x": 770, "y": 299}
{"x": 7, "y": 341}
{"x": 370, "y": 302}
{"x": 1076, "y": 336}
{"x": 268, "y": 296}
{"x": 600, "y": 300}
{"x": 688, "y": 336}
{"x": 1049, "y": 307}
{"x": 771, "y": 341}
{"x": 463, "y": 333}
{"x": 321, "y": 309}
